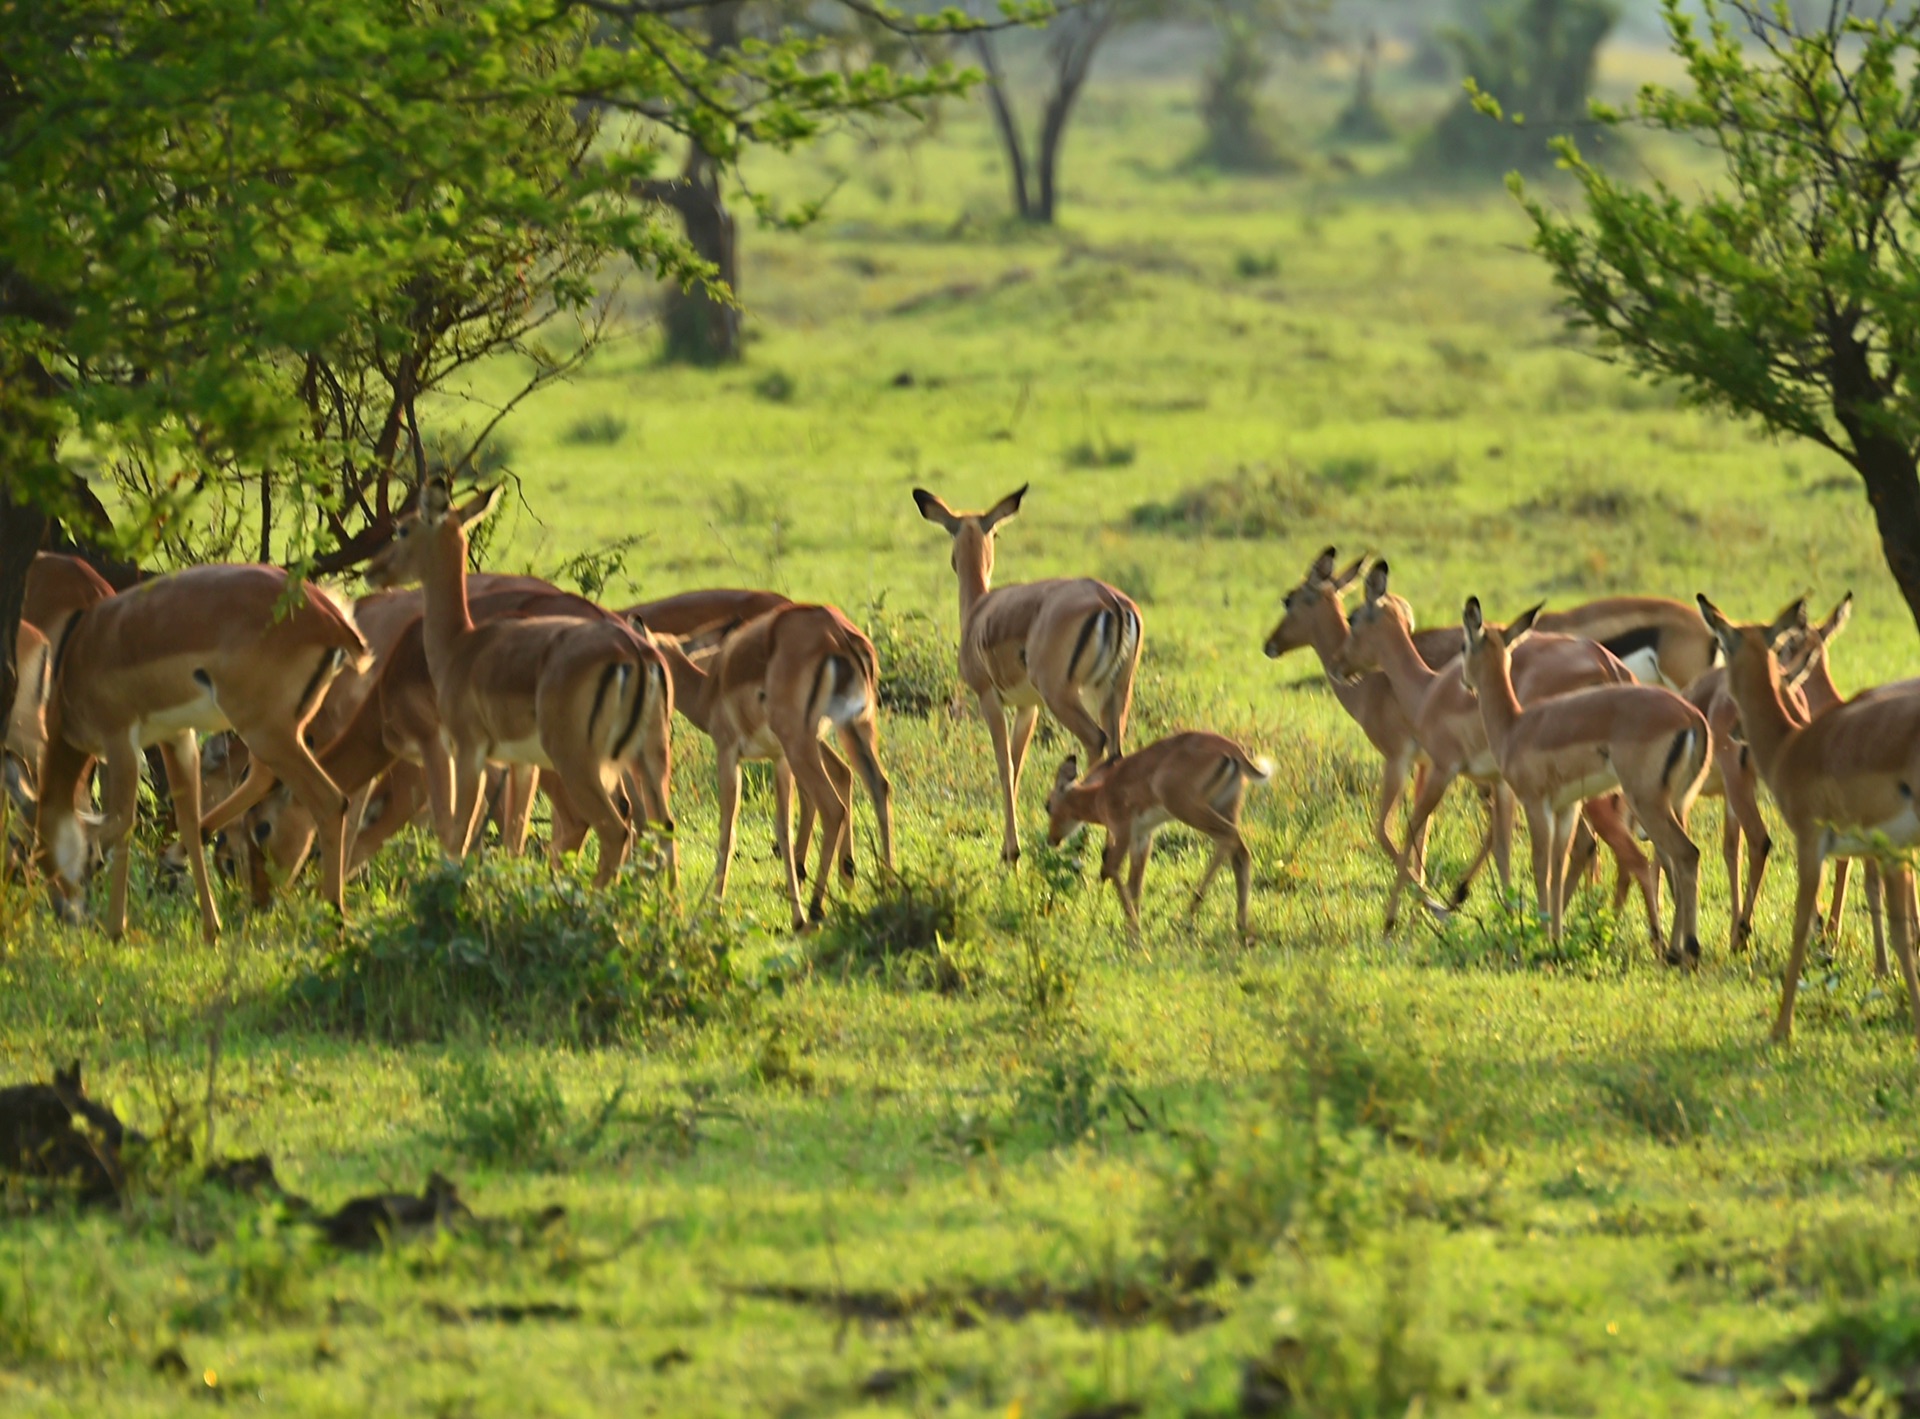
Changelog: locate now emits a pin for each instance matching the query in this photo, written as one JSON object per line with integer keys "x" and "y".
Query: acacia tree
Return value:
{"x": 241, "y": 239}
{"x": 1073, "y": 40}
{"x": 1790, "y": 292}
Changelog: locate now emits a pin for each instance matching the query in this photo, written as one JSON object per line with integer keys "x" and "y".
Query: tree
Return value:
{"x": 1787, "y": 292}
{"x": 1073, "y": 39}
{"x": 1537, "y": 59}
{"x": 241, "y": 239}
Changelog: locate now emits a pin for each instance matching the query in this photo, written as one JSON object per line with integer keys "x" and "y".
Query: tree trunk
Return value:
{"x": 23, "y": 526}
{"x": 1073, "y": 51}
{"x": 700, "y": 329}
{"x": 1007, "y": 126}
{"x": 1893, "y": 488}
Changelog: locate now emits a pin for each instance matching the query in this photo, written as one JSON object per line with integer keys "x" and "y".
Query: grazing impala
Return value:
{"x": 1049, "y": 643}
{"x": 1313, "y": 615}
{"x": 26, "y": 742}
{"x": 205, "y": 649}
{"x": 1843, "y": 781}
{"x": 773, "y": 686}
{"x": 1193, "y": 778}
{"x": 1556, "y": 753}
{"x": 555, "y": 693}
{"x": 1448, "y": 724}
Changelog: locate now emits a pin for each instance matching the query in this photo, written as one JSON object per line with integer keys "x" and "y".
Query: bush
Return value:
{"x": 1246, "y": 505}
{"x": 911, "y": 925}
{"x": 776, "y": 387}
{"x": 918, "y": 674}
{"x": 513, "y": 1119}
{"x": 1099, "y": 451}
{"x": 600, "y": 428}
{"x": 496, "y": 942}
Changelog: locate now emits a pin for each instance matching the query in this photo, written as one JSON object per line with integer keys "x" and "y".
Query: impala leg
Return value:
{"x": 1805, "y": 903}
{"x": 1609, "y": 820}
{"x": 1560, "y": 856}
{"x": 283, "y": 752}
{"x": 996, "y": 718}
{"x": 1837, "y": 902}
{"x": 257, "y": 784}
{"x": 860, "y": 739}
{"x": 1431, "y": 792}
{"x": 1025, "y": 721}
{"x": 116, "y": 833}
{"x": 1497, "y": 839}
{"x": 403, "y": 794}
{"x": 1228, "y": 846}
{"x": 1682, "y": 860}
{"x": 782, "y": 830}
{"x": 1876, "y": 912}
{"x": 842, "y": 777}
{"x": 1743, "y": 805}
{"x": 811, "y": 776}
{"x": 1393, "y": 784}
{"x": 1898, "y": 883}
{"x": 1730, "y": 835}
{"x": 516, "y": 811}
{"x": 1540, "y": 842}
{"x": 1071, "y": 711}
{"x": 588, "y": 787}
{"x": 469, "y": 777}
{"x": 1120, "y": 850}
{"x": 181, "y": 755}
{"x": 727, "y": 791}
{"x": 1137, "y": 865}
{"x": 1416, "y": 841}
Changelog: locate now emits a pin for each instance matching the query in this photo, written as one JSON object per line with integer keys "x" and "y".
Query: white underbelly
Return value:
{"x": 1580, "y": 790}
{"x": 1021, "y": 696}
{"x": 199, "y": 713}
{"x": 520, "y": 751}
{"x": 1900, "y": 831}
{"x": 1644, "y": 666}
{"x": 761, "y": 744}
{"x": 1150, "y": 821}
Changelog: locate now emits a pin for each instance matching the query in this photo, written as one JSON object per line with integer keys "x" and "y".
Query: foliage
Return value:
{"x": 1536, "y": 61}
{"x": 913, "y": 926}
{"x": 917, "y": 667}
{"x": 1243, "y": 134}
{"x": 602, "y": 428}
{"x": 516, "y": 1119}
{"x": 1246, "y": 505}
{"x": 1786, "y": 291}
{"x": 495, "y": 943}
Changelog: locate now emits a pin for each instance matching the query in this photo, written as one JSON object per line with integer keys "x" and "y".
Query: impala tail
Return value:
{"x": 1686, "y": 763}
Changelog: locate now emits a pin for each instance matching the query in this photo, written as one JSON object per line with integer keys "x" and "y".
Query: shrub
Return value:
{"x": 1256, "y": 266}
{"x": 776, "y": 387}
{"x": 1099, "y": 451}
{"x": 513, "y": 1118}
{"x": 918, "y": 673}
{"x": 1246, "y": 505}
{"x": 602, "y": 428}
{"x": 911, "y": 926}
{"x": 497, "y": 942}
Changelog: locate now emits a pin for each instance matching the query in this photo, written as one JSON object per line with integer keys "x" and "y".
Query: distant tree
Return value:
{"x": 1537, "y": 60}
{"x": 1073, "y": 38}
{"x": 1361, "y": 121}
{"x": 1242, "y": 130}
{"x": 1787, "y": 291}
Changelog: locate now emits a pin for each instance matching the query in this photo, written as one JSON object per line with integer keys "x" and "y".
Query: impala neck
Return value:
{"x": 1818, "y": 689}
{"x": 444, "y": 582}
{"x": 1764, "y": 717}
{"x": 973, "y": 560}
{"x": 1409, "y": 675}
{"x": 693, "y": 688}
{"x": 1499, "y": 706}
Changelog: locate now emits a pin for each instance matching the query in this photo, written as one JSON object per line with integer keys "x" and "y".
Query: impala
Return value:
{"x": 1662, "y": 642}
{"x": 1313, "y": 615}
{"x": 1046, "y": 643}
{"x": 1843, "y": 781}
{"x": 26, "y": 742}
{"x": 772, "y": 687}
{"x": 554, "y": 693}
{"x": 1556, "y": 753}
{"x": 1449, "y": 727}
{"x": 1194, "y": 778}
{"x": 206, "y": 649}
{"x": 700, "y": 620}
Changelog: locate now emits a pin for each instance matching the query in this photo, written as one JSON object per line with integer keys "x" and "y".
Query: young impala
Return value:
{"x": 1194, "y": 778}
{"x": 1843, "y": 781}
{"x": 1049, "y": 643}
{"x": 1556, "y": 753}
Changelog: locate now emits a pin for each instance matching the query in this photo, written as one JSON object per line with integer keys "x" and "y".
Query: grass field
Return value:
{"x": 1331, "y": 1174}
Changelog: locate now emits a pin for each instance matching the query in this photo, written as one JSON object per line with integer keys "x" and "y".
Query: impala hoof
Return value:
{"x": 1010, "y": 856}
{"x": 846, "y": 870}
{"x": 1461, "y": 893}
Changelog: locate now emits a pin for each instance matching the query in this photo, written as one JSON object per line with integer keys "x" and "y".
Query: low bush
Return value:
{"x": 912, "y": 929}
{"x": 498, "y": 943}
{"x": 1266, "y": 504}
{"x": 509, "y": 1118}
{"x": 918, "y": 667}
{"x": 602, "y": 428}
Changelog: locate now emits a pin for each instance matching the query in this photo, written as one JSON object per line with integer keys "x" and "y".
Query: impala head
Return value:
{"x": 1371, "y": 623}
{"x": 1061, "y": 824}
{"x": 1315, "y": 602}
{"x": 1743, "y": 644}
{"x": 403, "y": 561}
{"x": 972, "y": 532}
{"x": 1488, "y": 646}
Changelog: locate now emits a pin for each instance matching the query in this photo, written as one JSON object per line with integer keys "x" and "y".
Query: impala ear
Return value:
{"x": 934, "y": 510}
{"x": 1791, "y": 620}
{"x": 1069, "y": 772}
{"x": 1322, "y": 568}
{"x": 1377, "y": 581}
{"x": 1836, "y": 621}
{"x": 481, "y": 505}
{"x": 1003, "y": 509}
{"x": 1352, "y": 574}
{"x": 1522, "y": 625}
{"x": 1722, "y": 628}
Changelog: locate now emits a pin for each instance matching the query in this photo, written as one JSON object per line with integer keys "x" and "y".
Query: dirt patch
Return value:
{"x": 1124, "y": 1306}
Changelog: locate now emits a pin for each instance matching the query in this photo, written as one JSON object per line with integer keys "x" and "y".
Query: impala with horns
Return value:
{"x": 1050, "y": 643}
{"x": 769, "y": 692}
{"x": 1312, "y": 615}
{"x": 198, "y": 651}
{"x": 1194, "y": 778}
{"x": 1557, "y": 753}
{"x": 1449, "y": 726}
{"x": 577, "y": 698}
{"x": 1844, "y": 782}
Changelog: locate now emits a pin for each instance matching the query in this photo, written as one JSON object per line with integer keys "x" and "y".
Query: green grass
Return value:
{"x": 980, "y": 1176}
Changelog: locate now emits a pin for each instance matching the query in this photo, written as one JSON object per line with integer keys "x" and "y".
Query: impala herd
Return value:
{"x": 441, "y": 693}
